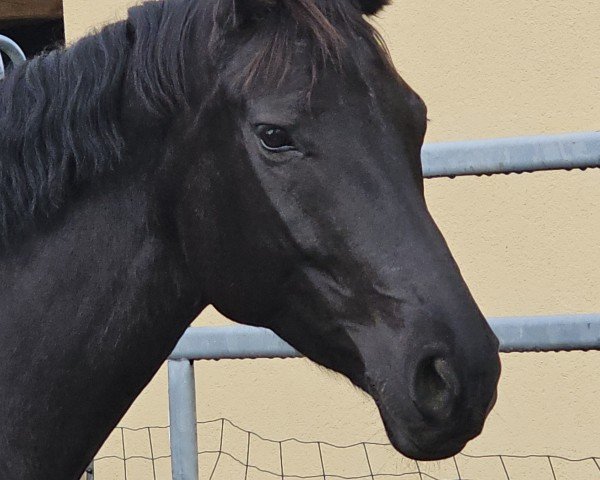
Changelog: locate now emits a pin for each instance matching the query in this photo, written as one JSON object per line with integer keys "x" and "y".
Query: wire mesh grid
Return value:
{"x": 230, "y": 452}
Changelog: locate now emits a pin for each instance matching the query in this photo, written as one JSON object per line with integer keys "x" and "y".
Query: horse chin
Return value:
{"x": 408, "y": 447}
{"x": 414, "y": 448}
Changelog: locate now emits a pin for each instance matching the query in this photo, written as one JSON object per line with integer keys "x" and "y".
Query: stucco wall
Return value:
{"x": 527, "y": 244}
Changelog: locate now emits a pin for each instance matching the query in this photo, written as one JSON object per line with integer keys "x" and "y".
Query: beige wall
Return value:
{"x": 527, "y": 244}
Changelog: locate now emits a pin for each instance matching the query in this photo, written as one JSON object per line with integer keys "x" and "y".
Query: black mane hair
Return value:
{"x": 61, "y": 113}
{"x": 58, "y": 126}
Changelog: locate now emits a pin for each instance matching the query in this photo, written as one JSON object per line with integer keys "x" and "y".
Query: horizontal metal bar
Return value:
{"x": 240, "y": 341}
{"x": 512, "y": 155}
{"x": 548, "y": 333}
{"x": 516, "y": 334}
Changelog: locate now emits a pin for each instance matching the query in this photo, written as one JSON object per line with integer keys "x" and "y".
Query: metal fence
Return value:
{"x": 230, "y": 452}
{"x": 512, "y": 155}
{"x": 516, "y": 334}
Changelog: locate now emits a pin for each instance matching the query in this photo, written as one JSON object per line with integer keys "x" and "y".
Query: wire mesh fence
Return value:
{"x": 229, "y": 452}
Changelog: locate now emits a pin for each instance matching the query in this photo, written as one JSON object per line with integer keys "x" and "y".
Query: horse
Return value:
{"x": 262, "y": 156}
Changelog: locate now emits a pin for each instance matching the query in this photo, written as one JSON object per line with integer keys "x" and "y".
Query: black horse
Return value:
{"x": 259, "y": 155}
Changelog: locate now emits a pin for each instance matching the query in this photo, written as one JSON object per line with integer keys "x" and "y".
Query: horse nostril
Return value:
{"x": 435, "y": 388}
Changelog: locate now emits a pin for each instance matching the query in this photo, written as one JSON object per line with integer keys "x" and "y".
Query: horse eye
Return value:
{"x": 275, "y": 139}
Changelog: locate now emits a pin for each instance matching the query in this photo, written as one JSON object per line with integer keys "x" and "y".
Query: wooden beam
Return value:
{"x": 11, "y": 10}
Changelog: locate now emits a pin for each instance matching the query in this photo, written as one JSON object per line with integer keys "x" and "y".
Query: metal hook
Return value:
{"x": 13, "y": 51}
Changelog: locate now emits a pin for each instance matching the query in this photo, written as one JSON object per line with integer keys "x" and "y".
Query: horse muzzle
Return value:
{"x": 438, "y": 401}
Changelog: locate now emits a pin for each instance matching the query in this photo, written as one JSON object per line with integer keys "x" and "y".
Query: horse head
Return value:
{"x": 305, "y": 213}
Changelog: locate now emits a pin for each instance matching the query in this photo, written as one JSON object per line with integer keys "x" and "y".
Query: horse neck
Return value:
{"x": 89, "y": 310}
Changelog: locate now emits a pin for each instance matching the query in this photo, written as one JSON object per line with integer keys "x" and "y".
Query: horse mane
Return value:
{"x": 60, "y": 113}
{"x": 58, "y": 125}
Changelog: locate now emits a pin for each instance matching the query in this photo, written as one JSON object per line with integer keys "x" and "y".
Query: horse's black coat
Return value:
{"x": 135, "y": 190}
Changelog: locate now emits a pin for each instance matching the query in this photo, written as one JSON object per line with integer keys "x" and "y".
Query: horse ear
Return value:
{"x": 236, "y": 13}
{"x": 371, "y": 7}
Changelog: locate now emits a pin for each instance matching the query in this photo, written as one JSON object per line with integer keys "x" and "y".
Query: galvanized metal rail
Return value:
{"x": 512, "y": 155}
{"x": 12, "y": 50}
{"x": 516, "y": 334}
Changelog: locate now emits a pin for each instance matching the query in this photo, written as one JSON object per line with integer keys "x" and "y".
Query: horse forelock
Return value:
{"x": 277, "y": 28}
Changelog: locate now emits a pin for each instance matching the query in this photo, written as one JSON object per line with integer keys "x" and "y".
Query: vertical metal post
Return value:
{"x": 89, "y": 471}
{"x": 182, "y": 414}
